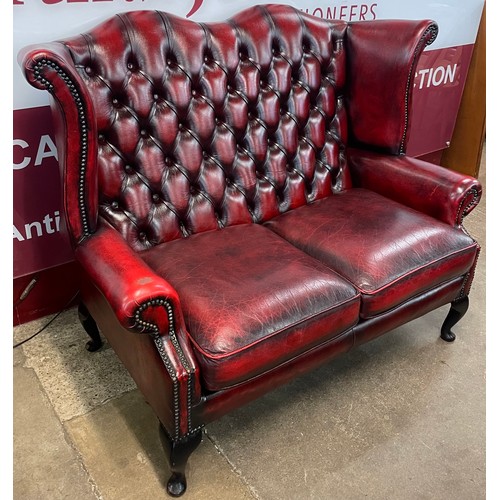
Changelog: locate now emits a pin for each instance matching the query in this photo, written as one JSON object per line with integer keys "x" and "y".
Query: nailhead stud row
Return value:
{"x": 155, "y": 331}
{"x": 433, "y": 30}
{"x": 170, "y": 369}
{"x": 462, "y": 212}
{"x": 37, "y": 70}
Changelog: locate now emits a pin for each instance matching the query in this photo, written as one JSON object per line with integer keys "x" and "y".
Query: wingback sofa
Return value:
{"x": 240, "y": 202}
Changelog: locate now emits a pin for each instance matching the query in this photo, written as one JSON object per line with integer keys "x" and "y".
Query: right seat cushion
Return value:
{"x": 389, "y": 252}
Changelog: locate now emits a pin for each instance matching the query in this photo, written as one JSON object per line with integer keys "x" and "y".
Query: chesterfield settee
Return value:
{"x": 240, "y": 202}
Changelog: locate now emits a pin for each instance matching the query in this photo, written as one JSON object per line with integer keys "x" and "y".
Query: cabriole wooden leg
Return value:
{"x": 457, "y": 311}
{"x": 90, "y": 326}
{"x": 178, "y": 453}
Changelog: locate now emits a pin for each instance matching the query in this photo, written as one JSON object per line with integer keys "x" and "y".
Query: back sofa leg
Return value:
{"x": 178, "y": 453}
{"x": 90, "y": 326}
{"x": 458, "y": 309}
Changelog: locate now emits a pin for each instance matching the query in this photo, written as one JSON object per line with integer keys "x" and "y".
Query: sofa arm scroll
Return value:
{"x": 142, "y": 301}
{"x": 443, "y": 194}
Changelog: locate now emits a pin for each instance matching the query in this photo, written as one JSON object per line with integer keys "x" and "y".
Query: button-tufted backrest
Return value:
{"x": 202, "y": 126}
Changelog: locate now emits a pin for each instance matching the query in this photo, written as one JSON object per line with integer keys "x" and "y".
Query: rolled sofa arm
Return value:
{"x": 142, "y": 301}
{"x": 443, "y": 194}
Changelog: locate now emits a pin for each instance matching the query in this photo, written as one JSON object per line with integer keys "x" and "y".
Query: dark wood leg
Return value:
{"x": 457, "y": 311}
{"x": 178, "y": 453}
{"x": 90, "y": 327}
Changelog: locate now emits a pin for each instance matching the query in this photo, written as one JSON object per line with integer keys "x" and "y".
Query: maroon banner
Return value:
{"x": 37, "y": 238}
{"x": 439, "y": 85}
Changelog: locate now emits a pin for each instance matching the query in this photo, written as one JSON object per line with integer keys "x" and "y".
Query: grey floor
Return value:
{"x": 402, "y": 417}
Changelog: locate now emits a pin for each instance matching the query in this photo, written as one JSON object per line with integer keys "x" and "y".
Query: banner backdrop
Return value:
{"x": 37, "y": 238}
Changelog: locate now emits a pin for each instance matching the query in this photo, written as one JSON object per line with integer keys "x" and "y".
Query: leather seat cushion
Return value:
{"x": 251, "y": 300}
{"x": 389, "y": 252}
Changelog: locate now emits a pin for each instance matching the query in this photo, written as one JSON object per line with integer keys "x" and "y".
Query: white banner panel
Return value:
{"x": 46, "y": 20}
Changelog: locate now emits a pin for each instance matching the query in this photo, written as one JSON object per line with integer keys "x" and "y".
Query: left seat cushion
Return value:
{"x": 252, "y": 301}
{"x": 389, "y": 252}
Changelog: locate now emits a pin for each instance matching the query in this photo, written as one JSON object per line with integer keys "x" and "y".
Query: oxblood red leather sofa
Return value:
{"x": 240, "y": 202}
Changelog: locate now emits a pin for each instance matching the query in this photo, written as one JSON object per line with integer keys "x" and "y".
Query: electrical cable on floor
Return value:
{"x": 48, "y": 323}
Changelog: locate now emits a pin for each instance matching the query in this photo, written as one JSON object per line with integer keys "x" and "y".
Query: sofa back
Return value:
{"x": 202, "y": 126}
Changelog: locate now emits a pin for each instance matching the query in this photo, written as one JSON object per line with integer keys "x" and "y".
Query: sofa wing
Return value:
{"x": 50, "y": 67}
{"x": 381, "y": 61}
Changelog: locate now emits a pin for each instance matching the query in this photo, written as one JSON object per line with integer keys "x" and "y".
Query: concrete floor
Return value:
{"x": 402, "y": 417}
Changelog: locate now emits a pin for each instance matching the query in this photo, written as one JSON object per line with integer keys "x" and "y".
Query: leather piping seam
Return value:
{"x": 155, "y": 331}
{"x": 409, "y": 273}
{"x": 292, "y": 325}
{"x": 433, "y": 29}
{"x": 414, "y": 297}
{"x": 341, "y": 336}
{"x": 37, "y": 68}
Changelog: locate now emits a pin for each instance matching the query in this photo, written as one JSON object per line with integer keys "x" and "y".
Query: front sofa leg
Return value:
{"x": 458, "y": 309}
{"x": 90, "y": 326}
{"x": 178, "y": 453}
